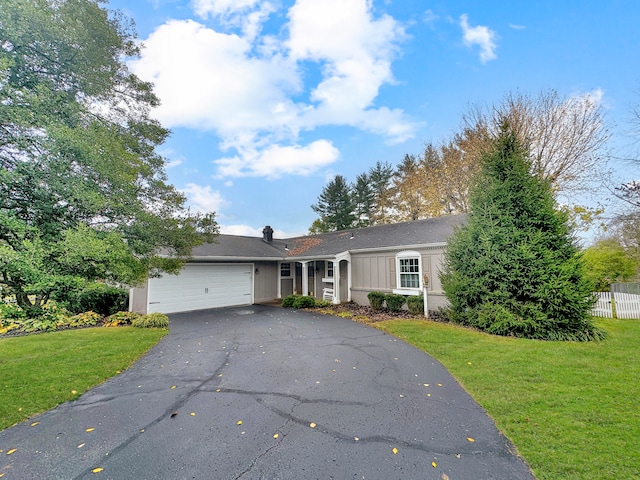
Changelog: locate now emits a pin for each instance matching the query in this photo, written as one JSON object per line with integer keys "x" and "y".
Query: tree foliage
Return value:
{"x": 513, "y": 269}
{"x": 565, "y": 136}
{"x": 83, "y": 192}
{"x": 335, "y": 207}
{"x": 607, "y": 262}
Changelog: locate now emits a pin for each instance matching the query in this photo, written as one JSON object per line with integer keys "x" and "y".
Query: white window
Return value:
{"x": 408, "y": 272}
{"x": 285, "y": 269}
{"x": 330, "y": 269}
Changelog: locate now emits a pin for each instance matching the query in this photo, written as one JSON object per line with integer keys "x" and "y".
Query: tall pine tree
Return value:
{"x": 335, "y": 207}
{"x": 513, "y": 269}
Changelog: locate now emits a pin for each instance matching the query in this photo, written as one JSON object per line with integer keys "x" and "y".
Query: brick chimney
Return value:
{"x": 267, "y": 234}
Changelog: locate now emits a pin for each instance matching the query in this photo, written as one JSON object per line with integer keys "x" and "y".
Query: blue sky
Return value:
{"x": 267, "y": 99}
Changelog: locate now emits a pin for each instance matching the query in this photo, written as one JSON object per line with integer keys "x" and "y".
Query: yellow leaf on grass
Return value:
{"x": 470, "y": 439}
{"x": 91, "y": 429}
{"x": 275, "y": 435}
{"x": 395, "y": 451}
{"x": 97, "y": 470}
{"x": 73, "y": 392}
{"x": 434, "y": 464}
{"x": 11, "y": 451}
{"x": 312, "y": 425}
{"x": 239, "y": 422}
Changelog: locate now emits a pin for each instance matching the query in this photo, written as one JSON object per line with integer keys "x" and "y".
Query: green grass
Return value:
{"x": 38, "y": 372}
{"x": 571, "y": 409}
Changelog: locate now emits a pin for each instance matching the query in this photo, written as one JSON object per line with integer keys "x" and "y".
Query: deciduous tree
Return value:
{"x": 83, "y": 191}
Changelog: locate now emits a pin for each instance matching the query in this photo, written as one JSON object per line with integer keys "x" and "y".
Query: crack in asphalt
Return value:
{"x": 302, "y": 400}
{"x": 167, "y": 413}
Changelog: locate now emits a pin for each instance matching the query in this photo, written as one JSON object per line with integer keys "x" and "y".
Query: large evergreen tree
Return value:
{"x": 335, "y": 207}
{"x": 513, "y": 269}
{"x": 83, "y": 192}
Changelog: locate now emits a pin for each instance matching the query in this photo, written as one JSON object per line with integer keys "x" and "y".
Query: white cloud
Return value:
{"x": 203, "y": 199}
{"x": 429, "y": 17}
{"x": 482, "y": 36}
{"x": 209, "y": 81}
{"x": 250, "y": 89}
{"x": 173, "y": 163}
{"x": 275, "y": 161}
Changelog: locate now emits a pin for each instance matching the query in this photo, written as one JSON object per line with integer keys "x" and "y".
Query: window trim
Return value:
{"x": 405, "y": 255}
{"x": 281, "y": 265}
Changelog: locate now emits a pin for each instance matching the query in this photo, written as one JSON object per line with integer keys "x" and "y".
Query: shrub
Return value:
{"x": 151, "y": 320}
{"x": 376, "y": 300}
{"x": 304, "y": 302}
{"x": 323, "y": 303}
{"x": 122, "y": 318}
{"x": 84, "y": 319}
{"x": 98, "y": 297}
{"x": 415, "y": 305}
{"x": 11, "y": 311}
{"x": 287, "y": 302}
{"x": 394, "y": 301}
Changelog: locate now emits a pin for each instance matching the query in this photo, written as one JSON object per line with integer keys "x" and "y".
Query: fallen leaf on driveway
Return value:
{"x": 275, "y": 435}
{"x": 445, "y": 476}
{"x": 90, "y": 429}
{"x": 239, "y": 422}
{"x": 312, "y": 425}
{"x": 395, "y": 451}
{"x": 97, "y": 470}
{"x": 193, "y": 414}
{"x": 173, "y": 387}
{"x": 434, "y": 464}
{"x": 470, "y": 439}
{"x": 11, "y": 451}
{"x": 81, "y": 445}
{"x": 35, "y": 423}
{"x": 174, "y": 414}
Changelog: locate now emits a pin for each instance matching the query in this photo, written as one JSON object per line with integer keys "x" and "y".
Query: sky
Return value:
{"x": 268, "y": 100}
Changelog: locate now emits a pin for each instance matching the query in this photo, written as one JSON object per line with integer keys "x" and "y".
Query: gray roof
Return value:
{"x": 431, "y": 231}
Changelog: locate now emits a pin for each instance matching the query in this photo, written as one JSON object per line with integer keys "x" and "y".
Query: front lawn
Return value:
{"x": 38, "y": 372}
{"x": 572, "y": 409}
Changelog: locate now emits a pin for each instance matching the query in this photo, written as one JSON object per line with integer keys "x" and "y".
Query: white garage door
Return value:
{"x": 198, "y": 287}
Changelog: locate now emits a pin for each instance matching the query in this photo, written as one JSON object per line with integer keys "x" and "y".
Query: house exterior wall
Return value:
{"x": 376, "y": 271}
{"x": 265, "y": 282}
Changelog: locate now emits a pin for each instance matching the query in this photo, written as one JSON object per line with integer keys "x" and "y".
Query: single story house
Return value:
{"x": 338, "y": 266}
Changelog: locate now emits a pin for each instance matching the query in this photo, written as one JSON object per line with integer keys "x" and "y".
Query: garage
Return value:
{"x": 201, "y": 286}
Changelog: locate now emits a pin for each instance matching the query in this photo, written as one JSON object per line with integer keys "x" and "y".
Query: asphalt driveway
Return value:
{"x": 265, "y": 393}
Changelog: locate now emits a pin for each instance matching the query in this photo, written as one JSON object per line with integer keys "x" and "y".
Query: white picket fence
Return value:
{"x": 627, "y": 305}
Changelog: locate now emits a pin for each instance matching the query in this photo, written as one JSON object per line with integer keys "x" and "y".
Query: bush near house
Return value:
{"x": 97, "y": 297}
{"x": 287, "y": 302}
{"x": 304, "y": 301}
{"x": 415, "y": 305}
{"x": 151, "y": 320}
{"x": 394, "y": 301}
{"x": 376, "y": 300}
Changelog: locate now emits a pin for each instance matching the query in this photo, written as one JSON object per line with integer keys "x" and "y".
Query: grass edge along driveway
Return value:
{"x": 39, "y": 372}
{"x": 572, "y": 409}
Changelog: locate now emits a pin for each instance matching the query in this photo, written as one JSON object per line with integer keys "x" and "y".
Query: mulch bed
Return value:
{"x": 366, "y": 314}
